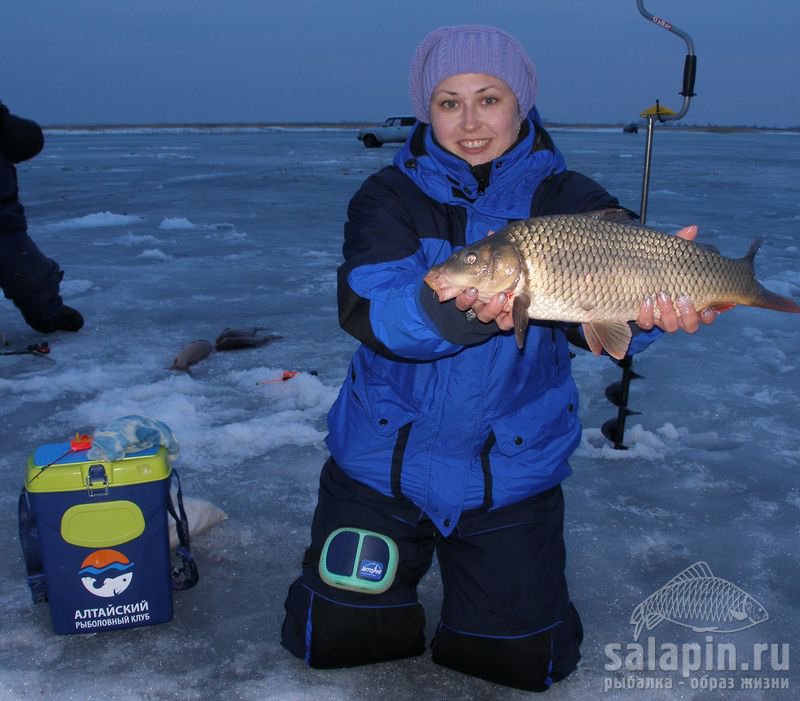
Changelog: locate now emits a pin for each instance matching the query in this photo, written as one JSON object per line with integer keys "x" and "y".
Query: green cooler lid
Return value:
{"x": 58, "y": 467}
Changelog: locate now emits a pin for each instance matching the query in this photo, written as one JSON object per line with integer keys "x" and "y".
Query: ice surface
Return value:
{"x": 167, "y": 237}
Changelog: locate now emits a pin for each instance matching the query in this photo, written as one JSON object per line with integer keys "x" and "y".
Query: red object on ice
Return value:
{"x": 286, "y": 375}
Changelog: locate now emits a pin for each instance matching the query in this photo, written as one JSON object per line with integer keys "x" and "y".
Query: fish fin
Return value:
{"x": 592, "y": 339}
{"x": 771, "y": 300}
{"x": 612, "y": 214}
{"x": 519, "y": 313}
{"x": 614, "y": 336}
{"x": 737, "y": 615}
{"x": 722, "y": 306}
{"x": 751, "y": 252}
{"x": 652, "y": 619}
{"x": 699, "y": 570}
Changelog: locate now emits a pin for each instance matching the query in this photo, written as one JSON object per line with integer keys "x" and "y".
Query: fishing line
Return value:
{"x": 42, "y": 348}
{"x": 77, "y": 444}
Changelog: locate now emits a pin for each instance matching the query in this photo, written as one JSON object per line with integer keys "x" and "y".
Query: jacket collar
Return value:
{"x": 504, "y": 187}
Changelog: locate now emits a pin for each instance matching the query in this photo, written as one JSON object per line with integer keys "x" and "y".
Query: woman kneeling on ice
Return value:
{"x": 447, "y": 438}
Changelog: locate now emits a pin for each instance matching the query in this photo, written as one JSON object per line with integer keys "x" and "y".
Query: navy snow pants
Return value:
{"x": 31, "y": 281}
{"x": 506, "y": 615}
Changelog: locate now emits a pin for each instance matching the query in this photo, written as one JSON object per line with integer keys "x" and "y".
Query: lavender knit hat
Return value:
{"x": 448, "y": 51}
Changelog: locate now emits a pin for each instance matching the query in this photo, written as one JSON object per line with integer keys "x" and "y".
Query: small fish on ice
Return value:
{"x": 245, "y": 337}
{"x": 191, "y": 354}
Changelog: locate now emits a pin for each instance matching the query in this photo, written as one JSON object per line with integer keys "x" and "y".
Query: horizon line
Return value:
{"x": 357, "y": 124}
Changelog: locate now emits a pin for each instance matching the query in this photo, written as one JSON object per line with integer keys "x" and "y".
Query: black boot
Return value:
{"x": 71, "y": 319}
{"x": 68, "y": 319}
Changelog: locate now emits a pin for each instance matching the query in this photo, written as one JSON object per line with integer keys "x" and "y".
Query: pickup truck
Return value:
{"x": 393, "y": 130}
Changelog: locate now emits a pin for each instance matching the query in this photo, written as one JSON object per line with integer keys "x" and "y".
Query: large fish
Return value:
{"x": 596, "y": 269}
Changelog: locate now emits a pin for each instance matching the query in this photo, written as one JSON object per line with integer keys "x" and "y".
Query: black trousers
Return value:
{"x": 506, "y": 614}
{"x": 30, "y": 279}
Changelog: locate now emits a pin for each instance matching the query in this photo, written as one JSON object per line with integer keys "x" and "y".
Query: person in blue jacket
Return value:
{"x": 28, "y": 278}
{"x": 445, "y": 437}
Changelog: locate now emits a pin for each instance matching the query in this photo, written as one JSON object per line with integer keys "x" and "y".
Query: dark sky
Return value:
{"x": 168, "y": 61}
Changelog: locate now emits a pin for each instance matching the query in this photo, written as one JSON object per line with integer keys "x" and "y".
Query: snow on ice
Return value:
{"x": 170, "y": 236}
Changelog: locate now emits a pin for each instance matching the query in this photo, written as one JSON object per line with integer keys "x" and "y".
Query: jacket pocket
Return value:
{"x": 550, "y": 415}
{"x": 385, "y": 408}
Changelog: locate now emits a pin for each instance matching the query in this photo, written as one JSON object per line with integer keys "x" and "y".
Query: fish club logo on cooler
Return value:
{"x": 106, "y": 573}
{"x": 697, "y": 599}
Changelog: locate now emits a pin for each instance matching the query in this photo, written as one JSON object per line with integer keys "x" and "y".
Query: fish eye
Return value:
{"x": 470, "y": 258}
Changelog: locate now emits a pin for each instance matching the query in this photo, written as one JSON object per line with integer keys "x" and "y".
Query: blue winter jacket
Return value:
{"x": 443, "y": 411}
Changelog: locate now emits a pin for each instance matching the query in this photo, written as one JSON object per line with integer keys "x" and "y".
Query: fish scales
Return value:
{"x": 596, "y": 270}
{"x": 606, "y": 271}
{"x": 710, "y": 599}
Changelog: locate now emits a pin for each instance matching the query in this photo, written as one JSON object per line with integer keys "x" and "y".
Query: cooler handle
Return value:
{"x": 96, "y": 475}
{"x": 31, "y": 550}
{"x": 184, "y": 573}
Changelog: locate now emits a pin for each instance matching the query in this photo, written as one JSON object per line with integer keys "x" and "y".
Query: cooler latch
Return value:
{"x": 96, "y": 476}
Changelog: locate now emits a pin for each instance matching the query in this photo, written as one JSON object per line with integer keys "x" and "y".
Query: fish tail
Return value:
{"x": 766, "y": 299}
{"x": 637, "y": 619}
{"x": 639, "y": 624}
{"x": 771, "y": 300}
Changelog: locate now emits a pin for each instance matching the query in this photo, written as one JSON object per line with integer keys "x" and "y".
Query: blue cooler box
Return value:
{"x": 102, "y": 536}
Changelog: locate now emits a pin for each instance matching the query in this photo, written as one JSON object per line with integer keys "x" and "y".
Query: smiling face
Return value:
{"x": 475, "y": 116}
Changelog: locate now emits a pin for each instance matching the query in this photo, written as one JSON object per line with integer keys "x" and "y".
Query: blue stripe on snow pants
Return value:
{"x": 506, "y": 614}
